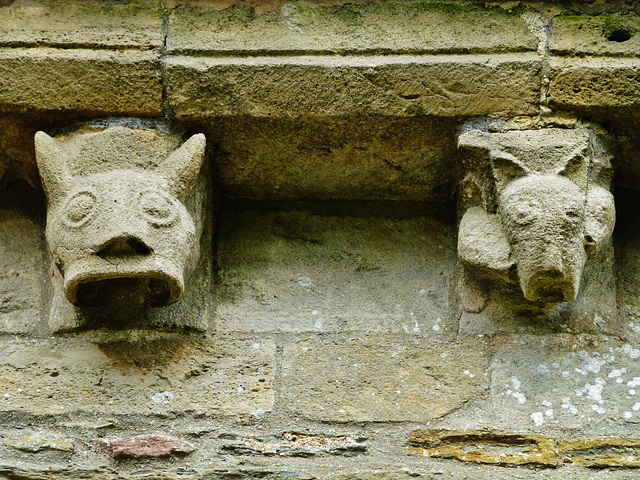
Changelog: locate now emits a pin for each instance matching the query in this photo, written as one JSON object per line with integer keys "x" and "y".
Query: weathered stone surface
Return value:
{"x": 394, "y": 27}
{"x": 39, "y": 441}
{"x": 143, "y": 446}
{"x": 136, "y": 372}
{"x": 601, "y": 85}
{"x": 339, "y": 158}
{"x": 380, "y": 379}
{"x": 85, "y": 82}
{"x": 317, "y": 86}
{"x": 568, "y": 383}
{"x": 301, "y": 271}
{"x": 485, "y": 446}
{"x": 118, "y": 228}
{"x": 66, "y": 24}
{"x": 23, "y": 273}
{"x": 611, "y": 35}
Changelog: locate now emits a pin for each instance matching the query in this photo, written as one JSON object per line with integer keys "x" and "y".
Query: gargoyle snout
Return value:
{"x": 123, "y": 246}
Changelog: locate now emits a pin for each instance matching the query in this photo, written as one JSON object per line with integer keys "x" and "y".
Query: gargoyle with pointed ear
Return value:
{"x": 117, "y": 225}
{"x": 541, "y": 207}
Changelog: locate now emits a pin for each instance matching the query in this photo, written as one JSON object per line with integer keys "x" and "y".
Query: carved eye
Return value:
{"x": 79, "y": 209}
{"x": 573, "y": 214}
{"x": 158, "y": 208}
{"x": 524, "y": 215}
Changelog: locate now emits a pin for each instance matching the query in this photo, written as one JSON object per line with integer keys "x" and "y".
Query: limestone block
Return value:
{"x": 335, "y": 158}
{"x": 137, "y": 372}
{"x": 380, "y": 379}
{"x": 318, "y": 86}
{"x": 389, "y": 27}
{"x": 300, "y": 271}
{"x": 600, "y": 85}
{"x": 83, "y": 82}
{"x": 605, "y": 35}
{"x": 118, "y": 228}
{"x": 538, "y": 205}
{"x": 136, "y": 24}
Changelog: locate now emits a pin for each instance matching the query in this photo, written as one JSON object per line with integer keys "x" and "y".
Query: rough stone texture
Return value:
{"x": 447, "y": 86}
{"x": 59, "y": 24}
{"x": 605, "y": 86}
{"x": 80, "y": 82}
{"x": 23, "y": 263}
{"x": 300, "y": 271}
{"x": 389, "y": 133}
{"x": 121, "y": 237}
{"x": 335, "y": 158}
{"x": 611, "y": 35}
{"x": 143, "y": 446}
{"x": 380, "y": 379}
{"x": 390, "y": 27}
{"x": 136, "y": 373}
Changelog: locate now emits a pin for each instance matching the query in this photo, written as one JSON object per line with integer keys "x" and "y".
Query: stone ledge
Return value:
{"x": 398, "y": 85}
{"x": 393, "y": 27}
{"x": 136, "y": 24}
{"x": 85, "y": 82}
{"x": 606, "y": 85}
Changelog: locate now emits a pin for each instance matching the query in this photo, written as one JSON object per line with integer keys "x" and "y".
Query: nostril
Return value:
{"x": 138, "y": 246}
{"x": 124, "y": 247}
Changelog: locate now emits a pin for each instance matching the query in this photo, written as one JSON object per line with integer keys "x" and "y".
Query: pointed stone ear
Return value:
{"x": 600, "y": 218}
{"x": 575, "y": 167}
{"x": 506, "y": 169}
{"x": 181, "y": 168}
{"x": 53, "y": 167}
{"x": 483, "y": 245}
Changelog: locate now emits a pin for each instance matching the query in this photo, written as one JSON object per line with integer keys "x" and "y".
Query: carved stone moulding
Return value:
{"x": 535, "y": 205}
{"x": 118, "y": 228}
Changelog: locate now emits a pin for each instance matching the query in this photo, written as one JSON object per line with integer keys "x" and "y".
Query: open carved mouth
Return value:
{"x": 126, "y": 292}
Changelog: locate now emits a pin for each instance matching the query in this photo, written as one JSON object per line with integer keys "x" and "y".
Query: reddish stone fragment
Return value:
{"x": 143, "y": 446}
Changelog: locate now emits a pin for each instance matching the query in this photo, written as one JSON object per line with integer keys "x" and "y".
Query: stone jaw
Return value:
{"x": 117, "y": 226}
{"x": 535, "y": 205}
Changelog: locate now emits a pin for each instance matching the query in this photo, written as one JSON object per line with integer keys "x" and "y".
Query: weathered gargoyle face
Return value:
{"x": 539, "y": 211}
{"x": 544, "y": 218}
{"x": 123, "y": 238}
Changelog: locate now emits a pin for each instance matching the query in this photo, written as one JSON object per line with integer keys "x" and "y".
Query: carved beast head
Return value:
{"x": 120, "y": 234}
{"x": 549, "y": 217}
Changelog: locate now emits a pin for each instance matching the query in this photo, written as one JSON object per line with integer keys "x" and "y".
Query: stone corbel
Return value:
{"x": 536, "y": 204}
{"x": 119, "y": 231}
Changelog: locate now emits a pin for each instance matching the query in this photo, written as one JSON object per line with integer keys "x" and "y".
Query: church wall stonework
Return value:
{"x": 319, "y": 239}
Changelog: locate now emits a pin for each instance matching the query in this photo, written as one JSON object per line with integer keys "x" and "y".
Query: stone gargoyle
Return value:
{"x": 117, "y": 226}
{"x": 536, "y": 205}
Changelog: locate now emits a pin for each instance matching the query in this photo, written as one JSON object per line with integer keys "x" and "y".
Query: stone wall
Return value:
{"x": 329, "y": 329}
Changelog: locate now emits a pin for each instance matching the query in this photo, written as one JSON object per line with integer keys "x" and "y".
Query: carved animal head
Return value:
{"x": 547, "y": 222}
{"x": 121, "y": 237}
